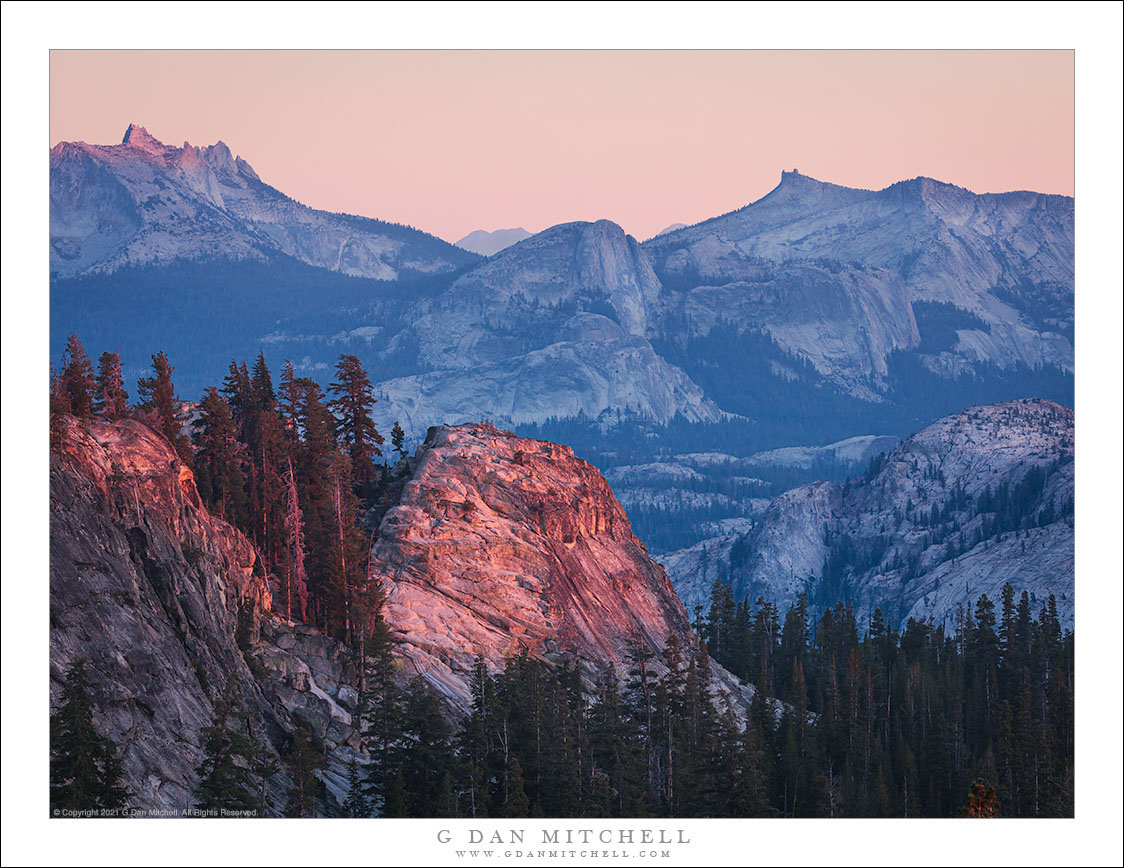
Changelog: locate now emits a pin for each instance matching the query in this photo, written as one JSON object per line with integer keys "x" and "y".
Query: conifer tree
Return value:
{"x": 314, "y": 468}
{"x": 615, "y": 751}
{"x": 296, "y": 575}
{"x": 112, "y": 401}
{"x": 641, "y": 690}
{"x": 355, "y": 804}
{"x": 382, "y": 711}
{"x": 351, "y": 404}
{"x": 425, "y": 755}
{"x": 261, "y": 385}
{"x": 234, "y": 761}
{"x": 262, "y": 430}
{"x": 78, "y": 379}
{"x": 515, "y": 803}
{"x": 347, "y": 579}
{"x": 397, "y": 802}
{"x": 720, "y": 620}
{"x": 982, "y": 803}
{"x": 474, "y": 744}
{"x": 218, "y": 461}
{"x": 398, "y": 440}
{"x": 157, "y": 397}
{"x": 289, "y": 401}
{"x": 304, "y": 761}
{"x": 236, "y": 389}
{"x": 85, "y": 768}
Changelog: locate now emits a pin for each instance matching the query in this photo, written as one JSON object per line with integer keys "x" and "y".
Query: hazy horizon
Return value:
{"x": 455, "y": 141}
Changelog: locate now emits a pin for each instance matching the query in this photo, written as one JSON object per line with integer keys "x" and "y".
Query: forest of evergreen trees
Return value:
{"x": 847, "y": 719}
{"x": 846, "y": 722}
{"x": 291, "y": 467}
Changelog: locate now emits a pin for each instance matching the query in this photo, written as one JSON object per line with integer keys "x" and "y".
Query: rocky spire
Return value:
{"x": 140, "y": 138}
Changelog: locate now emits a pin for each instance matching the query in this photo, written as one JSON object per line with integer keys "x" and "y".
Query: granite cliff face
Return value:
{"x": 143, "y": 202}
{"x": 165, "y": 603}
{"x": 971, "y": 502}
{"x": 493, "y": 544}
{"x": 555, "y": 326}
{"x": 500, "y": 543}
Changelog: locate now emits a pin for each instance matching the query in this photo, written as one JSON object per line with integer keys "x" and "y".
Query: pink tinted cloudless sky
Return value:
{"x": 451, "y": 141}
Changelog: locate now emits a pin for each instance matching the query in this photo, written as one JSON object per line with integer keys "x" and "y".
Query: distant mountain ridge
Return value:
{"x": 1003, "y": 261}
{"x": 490, "y": 243}
{"x": 144, "y": 202}
{"x": 812, "y": 316}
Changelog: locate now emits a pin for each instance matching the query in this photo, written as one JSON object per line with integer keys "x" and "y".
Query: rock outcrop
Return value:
{"x": 494, "y": 544}
{"x": 500, "y": 543}
{"x": 969, "y": 503}
{"x": 165, "y": 603}
{"x": 143, "y": 202}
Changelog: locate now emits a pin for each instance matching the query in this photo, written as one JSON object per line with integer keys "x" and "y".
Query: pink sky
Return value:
{"x": 451, "y": 141}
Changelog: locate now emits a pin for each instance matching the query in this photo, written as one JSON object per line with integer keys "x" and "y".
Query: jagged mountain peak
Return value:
{"x": 138, "y": 137}
{"x": 143, "y": 202}
{"x": 796, "y": 187}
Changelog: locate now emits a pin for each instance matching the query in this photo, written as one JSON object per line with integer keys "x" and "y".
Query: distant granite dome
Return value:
{"x": 557, "y": 325}
{"x": 490, "y": 243}
{"x": 674, "y": 227}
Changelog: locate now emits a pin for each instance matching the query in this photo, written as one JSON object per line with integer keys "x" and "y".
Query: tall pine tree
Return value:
{"x": 78, "y": 379}
{"x": 111, "y": 400}
{"x": 235, "y": 764}
{"x": 353, "y": 398}
{"x": 86, "y": 769}
{"x": 157, "y": 399}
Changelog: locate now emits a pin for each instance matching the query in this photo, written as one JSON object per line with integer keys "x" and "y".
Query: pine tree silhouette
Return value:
{"x": 86, "y": 769}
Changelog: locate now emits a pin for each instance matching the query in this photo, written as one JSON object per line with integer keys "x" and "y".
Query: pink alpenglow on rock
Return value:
{"x": 501, "y": 543}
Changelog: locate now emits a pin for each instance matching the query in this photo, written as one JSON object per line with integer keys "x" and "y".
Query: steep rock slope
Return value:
{"x": 556, "y": 325}
{"x": 494, "y": 543}
{"x": 165, "y": 603}
{"x": 845, "y": 320}
{"x": 500, "y": 543}
{"x": 1005, "y": 258}
{"x": 971, "y": 502}
{"x": 143, "y": 202}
